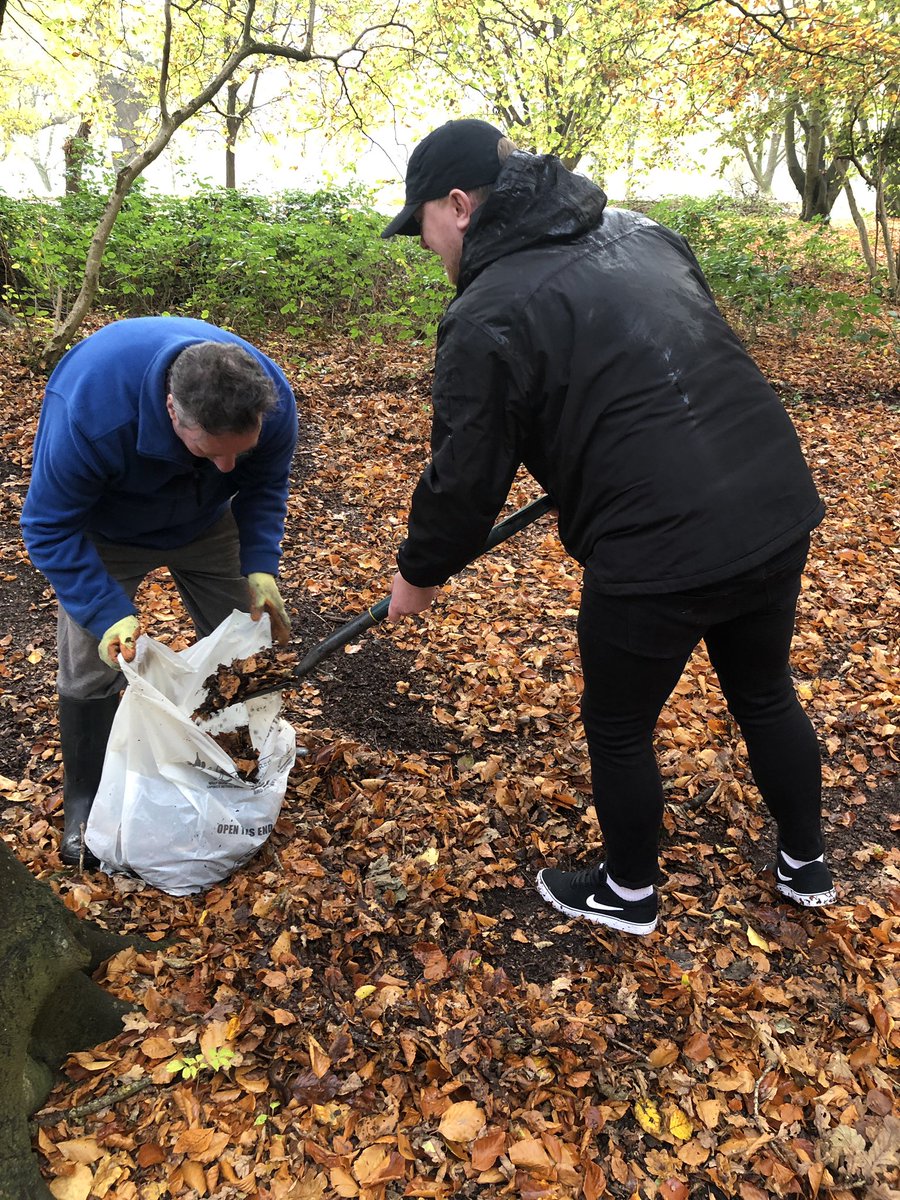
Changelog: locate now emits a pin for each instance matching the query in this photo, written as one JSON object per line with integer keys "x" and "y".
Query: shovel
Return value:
{"x": 504, "y": 529}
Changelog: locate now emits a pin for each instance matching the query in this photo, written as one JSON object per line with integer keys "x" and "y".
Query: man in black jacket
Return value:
{"x": 584, "y": 343}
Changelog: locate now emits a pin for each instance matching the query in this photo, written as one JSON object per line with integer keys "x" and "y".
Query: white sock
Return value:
{"x": 797, "y": 864}
{"x": 628, "y": 893}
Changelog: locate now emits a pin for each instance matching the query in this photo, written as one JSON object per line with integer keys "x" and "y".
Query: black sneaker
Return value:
{"x": 812, "y": 885}
{"x": 587, "y": 894}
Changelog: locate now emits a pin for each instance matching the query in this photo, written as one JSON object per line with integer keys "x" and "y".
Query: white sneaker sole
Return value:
{"x": 807, "y": 899}
{"x": 597, "y": 918}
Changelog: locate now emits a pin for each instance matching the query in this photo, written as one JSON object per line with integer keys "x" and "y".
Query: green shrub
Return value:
{"x": 301, "y": 261}
{"x": 296, "y": 261}
{"x": 763, "y": 265}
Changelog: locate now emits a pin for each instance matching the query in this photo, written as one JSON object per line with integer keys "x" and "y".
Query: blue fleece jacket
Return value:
{"x": 108, "y": 464}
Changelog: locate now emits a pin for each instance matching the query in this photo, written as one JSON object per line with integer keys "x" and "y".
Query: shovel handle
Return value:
{"x": 504, "y": 529}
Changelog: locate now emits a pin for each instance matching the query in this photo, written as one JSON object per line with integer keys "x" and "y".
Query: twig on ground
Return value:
{"x": 80, "y": 1111}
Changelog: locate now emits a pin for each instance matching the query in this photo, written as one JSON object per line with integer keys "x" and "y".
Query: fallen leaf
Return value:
{"x": 194, "y": 1176}
{"x": 462, "y": 1121}
{"x": 377, "y": 1165}
{"x": 76, "y": 1186}
{"x": 487, "y": 1149}
{"x": 692, "y": 1153}
{"x": 80, "y": 1150}
{"x": 343, "y": 1182}
{"x": 319, "y": 1060}
{"x": 530, "y": 1154}
{"x": 648, "y": 1117}
{"x": 697, "y": 1047}
{"x": 673, "y": 1189}
{"x": 709, "y": 1112}
{"x": 150, "y": 1154}
{"x": 756, "y": 940}
{"x": 157, "y": 1047}
{"x": 663, "y": 1054}
{"x": 678, "y": 1123}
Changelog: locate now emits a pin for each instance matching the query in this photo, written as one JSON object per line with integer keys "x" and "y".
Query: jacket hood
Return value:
{"x": 536, "y": 202}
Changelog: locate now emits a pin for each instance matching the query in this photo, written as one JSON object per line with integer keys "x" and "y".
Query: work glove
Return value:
{"x": 265, "y": 597}
{"x": 119, "y": 639}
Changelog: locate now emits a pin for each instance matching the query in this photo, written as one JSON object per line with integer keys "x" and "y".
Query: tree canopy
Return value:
{"x": 817, "y": 82}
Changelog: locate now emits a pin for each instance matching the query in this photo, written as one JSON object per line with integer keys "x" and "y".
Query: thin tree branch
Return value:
{"x": 310, "y": 25}
{"x": 164, "y": 66}
{"x": 761, "y": 21}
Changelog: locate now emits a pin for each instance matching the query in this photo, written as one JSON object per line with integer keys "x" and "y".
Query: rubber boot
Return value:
{"x": 84, "y": 727}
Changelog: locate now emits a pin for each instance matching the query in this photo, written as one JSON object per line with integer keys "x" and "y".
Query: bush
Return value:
{"x": 300, "y": 261}
{"x": 763, "y": 265}
{"x": 295, "y": 261}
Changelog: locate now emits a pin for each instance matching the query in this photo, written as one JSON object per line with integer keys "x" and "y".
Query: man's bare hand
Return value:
{"x": 407, "y": 600}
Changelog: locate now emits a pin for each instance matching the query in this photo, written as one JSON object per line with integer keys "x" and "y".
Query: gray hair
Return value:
{"x": 220, "y": 388}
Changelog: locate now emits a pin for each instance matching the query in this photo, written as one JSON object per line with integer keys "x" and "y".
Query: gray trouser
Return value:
{"x": 207, "y": 573}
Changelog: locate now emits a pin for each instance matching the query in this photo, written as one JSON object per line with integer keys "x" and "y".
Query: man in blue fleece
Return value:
{"x": 162, "y": 442}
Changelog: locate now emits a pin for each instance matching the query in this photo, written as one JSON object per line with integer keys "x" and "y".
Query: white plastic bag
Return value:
{"x": 171, "y": 806}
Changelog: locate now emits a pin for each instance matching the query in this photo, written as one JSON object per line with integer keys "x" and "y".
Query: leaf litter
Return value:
{"x": 405, "y": 1016}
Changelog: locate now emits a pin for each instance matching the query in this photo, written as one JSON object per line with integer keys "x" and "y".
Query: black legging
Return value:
{"x": 633, "y": 651}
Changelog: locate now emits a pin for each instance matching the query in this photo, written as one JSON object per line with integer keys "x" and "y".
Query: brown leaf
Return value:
{"x": 864, "y": 1056}
{"x": 663, "y": 1054}
{"x": 487, "y": 1149}
{"x": 595, "y": 1181}
{"x": 432, "y": 959}
{"x": 697, "y": 1047}
{"x": 307, "y": 1088}
{"x": 749, "y": 1191}
{"x": 157, "y": 1047}
{"x": 320, "y": 1061}
{"x": 377, "y": 1165}
{"x": 530, "y": 1154}
{"x": 462, "y": 1121}
{"x": 194, "y": 1176}
{"x": 74, "y": 1186}
{"x": 150, "y": 1154}
{"x": 81, "y": 1150}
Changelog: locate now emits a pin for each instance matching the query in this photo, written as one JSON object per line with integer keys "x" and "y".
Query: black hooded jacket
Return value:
{"x": 584, "y": 342}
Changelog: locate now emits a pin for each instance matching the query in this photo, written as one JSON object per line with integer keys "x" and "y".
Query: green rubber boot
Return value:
{"x": 84, "y": 727}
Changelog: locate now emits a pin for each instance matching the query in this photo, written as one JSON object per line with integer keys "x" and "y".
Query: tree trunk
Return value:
{"x": 819, "y": 186}
{"x": 49, "y": 1008}
{"x": 892, "y": 190}
{"x": 773, "y": 158}
{"x": 863, "y": 233}
{"x": 890, "y": 256}
{"x": 762, "y": 158}
{"x": 232, "y": 129}
{"x": 811, "y": 195}
{"x": 234, "y": 122}
{"x": 129, "y": 110}
{"x": 75, "y": 151}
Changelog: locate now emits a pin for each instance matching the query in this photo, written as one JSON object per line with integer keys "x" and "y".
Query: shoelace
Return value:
{"x": 587, "y": 877}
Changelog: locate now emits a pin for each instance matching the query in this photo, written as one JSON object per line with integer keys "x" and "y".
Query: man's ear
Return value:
{"x": 463, "y": 206}
{"x": 170, "y": 407}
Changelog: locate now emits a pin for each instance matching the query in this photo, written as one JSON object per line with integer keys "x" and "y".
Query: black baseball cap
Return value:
{"x": 460, "y": 154}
